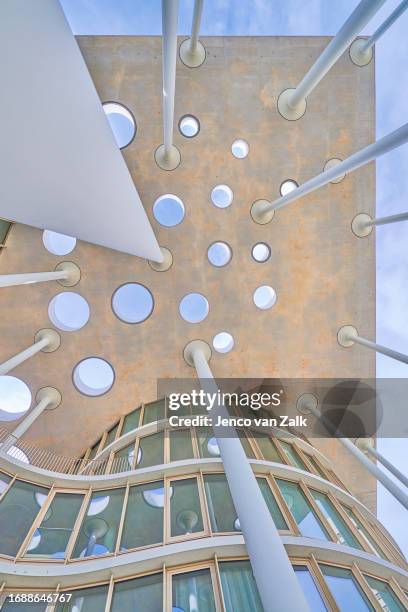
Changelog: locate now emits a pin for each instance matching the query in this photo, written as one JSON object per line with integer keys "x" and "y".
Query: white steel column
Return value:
{"x": 278, "y": 586}
{"x": 192, "y": 51}
{"x": 307, "y": 403}
{"x": 262, "y": 211}
{"x": 292, "y": 102}
{"x": 167, "y": 155}
{"x": 366, "y": 446}
{"x": 46, "y": 340}
{"x": 348, "y": 335}
{"x": 47, "y": 399}
{"x": 67, "y": 273}
{"x": 361, "y": 50}
{"x": 362, "y": 224}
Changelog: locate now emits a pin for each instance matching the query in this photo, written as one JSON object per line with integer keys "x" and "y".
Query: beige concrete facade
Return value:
{"x": 323, "y": 275}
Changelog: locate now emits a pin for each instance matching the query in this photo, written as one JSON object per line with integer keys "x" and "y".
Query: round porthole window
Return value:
{"x": 93, "y": 376}
{"x": 261, "y": 252}
{"x": 222, "y": 196}
{"x": 15, "y": 398}
{"x": 219, "y": 254}
{"x": 240, "y": 148}
{"x": 264, "y": 297}
{"x": 223, "y": 342}
{"x": 68, "y": 311}
{"x": 189, "y": 126}
{"x": 194, "y": 308}
{"x": 288, "y": 186}
{"x": 58, "y": 244}
{"x": 168, "y": 210}
{"x": 122, "y": 123}
{"x": 132, "y": 303}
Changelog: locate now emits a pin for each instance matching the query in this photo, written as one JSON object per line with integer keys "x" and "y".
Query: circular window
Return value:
{"x": 15, "y": 398}
{"x": 68, "y": 311}
{"x": 122, "y": 122}
{"x": 132, "y": 303}
{"x": 222, "y": 196}
{"x": 223, "y": 342}
{"x": 194, "y": 308}
{"x": 264, "y": 297}
{"x": 168, "y": 210}
{"x": 261, "y": 252}
{"x": 58, "y": 244}
{"x": 213, "y": 448}
{"x": 240, "y": 148}
{"x": 93, "y": 376}
{"x": 219, "y": 254}
{"x": 189, "y": 126}
{"x": 287, "y": 187}
{"x": 156, "y": 497}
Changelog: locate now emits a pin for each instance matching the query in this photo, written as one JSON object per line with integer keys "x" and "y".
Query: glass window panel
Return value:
{"x": 123, "y": 459}
{"x": 18, "y": 509}
{"x": 363, "y": 532}
{"x": 111, "y": 435}
{"x": 267, "y": 448}
{"x": 245, "y": 444}
{"x": 144, "y": 594}
{"x": 51, "y": 538}
{"x": 185, "y": 508}
{"x": 221, "y": 508}
{"x": 4, "y": 481}
{"x": 207, "y": 444}
{"x": 154, "y": 412}
{"x": 272, "y": 504}
{"x": 306, "y": 520}
{"x": 239, "y": 587}
{"x": 94, "y": 450}
{"x": 386, "y": 598}
{"x": 293, "y": 456}
{"x": 181, "y": 446}
{"x": 9, "y": 606}
{"x": 131, "y": 421}
{"x": 317, "y": 467}
{"x": 151, "y": 450}
{"x": 336, "y": 522}
{"x": 99, "y": 528}
{"x": 193, "y": 592}
{"x": 144, "y": 516}
{"x": 345, "y": 590}
{"x": 85, "y": 600}
{"x": 309, "y": 588}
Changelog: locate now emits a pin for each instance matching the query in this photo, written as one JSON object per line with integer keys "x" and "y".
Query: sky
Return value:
{"x": 314, "y": 17}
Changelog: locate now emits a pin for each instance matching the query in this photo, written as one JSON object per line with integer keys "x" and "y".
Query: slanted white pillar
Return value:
{"x": 292, "y": 102}
{"x": 307, "y": 404}
{"x": 278, "y": 586}
{"x": 47, "y": 398}
{"x": 167, "y": 155}
{"x": 362, "y": 224}
{"x": 361, "y": 50}
{"x": 366, "y": 445}
{"x": 192, "y": 51}
{"x": 66, "y": 273}
{"x": 348, "y": 335}
{"x": 262, "y": 211}
{"x": 46, "y": 340}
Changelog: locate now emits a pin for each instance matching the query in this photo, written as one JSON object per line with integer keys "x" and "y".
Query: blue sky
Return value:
{"x": 314, "y": 17}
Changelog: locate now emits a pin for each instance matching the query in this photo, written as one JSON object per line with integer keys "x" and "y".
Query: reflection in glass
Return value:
{"x": 131, "y": 421}
{"x": 18, "y": 509}
{"x": 185, "y": 508}
{"x": 193, "y": 592}
{"x": 317, "y": 467}
{"x": 364, "y": 532}
{"x": 155, "y": 411}
{"x": 239, "y": 587}
{"x": 99, "y": 528}
{"x": 144, "y": 594}
{"x": 181, "y": 446}
{"x": 56, "y": 527}
{"x": 124, "y": 459}
{"x": 111, "y": 435}
{"x": 223, "y": 515}
{"x": 207, "y": 444}
{"x": 384, "y": 595}
{"x": 85, "y": 600}
{"x": 345, "y": 590}
{"x": 151, "y": 450}
{"x": 309, "y": 588}
{"x": 4, "y": 480}
{"x": 293, "y": 456}
{"x": 343, "y": 533}
{"x": 267, "y": 447}
{"x": 272, "y": 504}
{"x": 306, "y": 520}
{"x": 144, "y": 516}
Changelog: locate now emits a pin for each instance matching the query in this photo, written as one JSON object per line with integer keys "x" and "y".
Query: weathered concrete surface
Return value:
{"x": 324, "y": 276}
